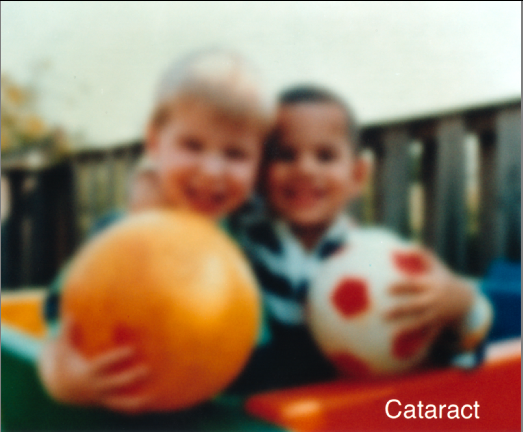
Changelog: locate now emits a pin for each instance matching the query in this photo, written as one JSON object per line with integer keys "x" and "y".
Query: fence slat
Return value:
{"x": 487, "y": 203}
{"x": 12, "y": 234}
{"x": 393, "y": 181}
{"x": 446, "y": 210}
{"x": 508, "y": 184}
{"x": 428, "y": 175}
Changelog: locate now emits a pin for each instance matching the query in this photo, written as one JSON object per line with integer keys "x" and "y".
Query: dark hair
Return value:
{"x": 315, "y": 94}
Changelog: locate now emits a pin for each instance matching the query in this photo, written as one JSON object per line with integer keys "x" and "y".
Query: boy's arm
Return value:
{"x": 471, "y": 332}
{"x": 71, "y": 378}
{"x": 473, "y": 328}
{"x": 444, "y": 300}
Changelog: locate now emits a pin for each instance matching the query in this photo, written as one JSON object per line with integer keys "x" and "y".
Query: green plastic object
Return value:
{"x": 26, "y": 405}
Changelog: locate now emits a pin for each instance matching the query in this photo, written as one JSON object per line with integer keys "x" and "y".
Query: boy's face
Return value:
{"x": 205, "y": 163}
{"x": 313, "y": 174}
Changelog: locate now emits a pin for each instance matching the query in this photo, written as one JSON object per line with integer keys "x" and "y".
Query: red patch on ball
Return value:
{"x": 350, "y": 297}
{"x": 410, "y": 263}
{"x": 350, "y": 365}
{"x": 408, "y": 343}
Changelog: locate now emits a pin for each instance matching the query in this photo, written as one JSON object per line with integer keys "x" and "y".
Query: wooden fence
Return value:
{"x": 469, "y": 217}
{"x": 452, "y": 180}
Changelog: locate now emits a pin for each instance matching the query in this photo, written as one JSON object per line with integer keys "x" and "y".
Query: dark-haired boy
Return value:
{"x": 312, "y": 172}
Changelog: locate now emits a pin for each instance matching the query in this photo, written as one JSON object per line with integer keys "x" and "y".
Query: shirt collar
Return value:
{"x": 333, "y": 239}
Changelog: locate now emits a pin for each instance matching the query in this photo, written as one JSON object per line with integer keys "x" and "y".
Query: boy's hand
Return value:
{"x": 71, "y": 378}
{"x": 436, "y": 300}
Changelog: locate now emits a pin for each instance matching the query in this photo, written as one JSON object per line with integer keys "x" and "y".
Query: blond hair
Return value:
{"x": 221, "y": 78}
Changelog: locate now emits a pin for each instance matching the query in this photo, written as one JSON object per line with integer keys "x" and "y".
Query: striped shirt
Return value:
{"x": 284, "y": 269}
{"x": 283, "y": 266}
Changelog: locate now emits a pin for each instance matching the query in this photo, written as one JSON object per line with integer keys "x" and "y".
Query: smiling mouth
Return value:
{"x": 206, "y": 202}
{"x": 303, "y": 197}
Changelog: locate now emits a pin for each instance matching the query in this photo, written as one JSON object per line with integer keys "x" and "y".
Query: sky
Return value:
{"x": 95, "y": 65}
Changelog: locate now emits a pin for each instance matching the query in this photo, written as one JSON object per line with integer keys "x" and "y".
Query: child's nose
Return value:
{"x": 212, "y": 165}
{"x": 306, "y": 165}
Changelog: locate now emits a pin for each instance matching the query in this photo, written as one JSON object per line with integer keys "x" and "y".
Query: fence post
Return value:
{"x": 445, "y": 227}
{"x": 508, "y": 184}
{"x": 393, "y": 179}
{"x": 487, "y": 204}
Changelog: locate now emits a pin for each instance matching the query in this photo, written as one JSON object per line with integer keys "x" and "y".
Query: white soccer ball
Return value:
{"x": 347, "y": 301}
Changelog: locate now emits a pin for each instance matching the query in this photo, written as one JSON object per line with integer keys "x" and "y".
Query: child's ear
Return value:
{"x": 151, "y": 139}
{"x": 361, "y": 172}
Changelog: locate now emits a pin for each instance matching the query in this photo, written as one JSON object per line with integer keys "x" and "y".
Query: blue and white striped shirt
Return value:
{"x": 284, "y": 269}
{"x": 283, "y": 266}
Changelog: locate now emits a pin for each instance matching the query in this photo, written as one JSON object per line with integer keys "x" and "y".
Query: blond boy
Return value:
{"x": 205, "y": 140}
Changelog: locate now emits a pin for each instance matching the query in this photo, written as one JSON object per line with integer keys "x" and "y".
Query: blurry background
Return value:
{"x": 436, "y": 86}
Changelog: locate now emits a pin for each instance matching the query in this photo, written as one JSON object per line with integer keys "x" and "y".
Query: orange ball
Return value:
{"x": 175, "y": 287}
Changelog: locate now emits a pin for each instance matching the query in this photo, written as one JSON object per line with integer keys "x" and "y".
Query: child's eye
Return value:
{"x": 192, "y": 144}
{"x": 235, "y": 153}
{"x": 326, "y": 155}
